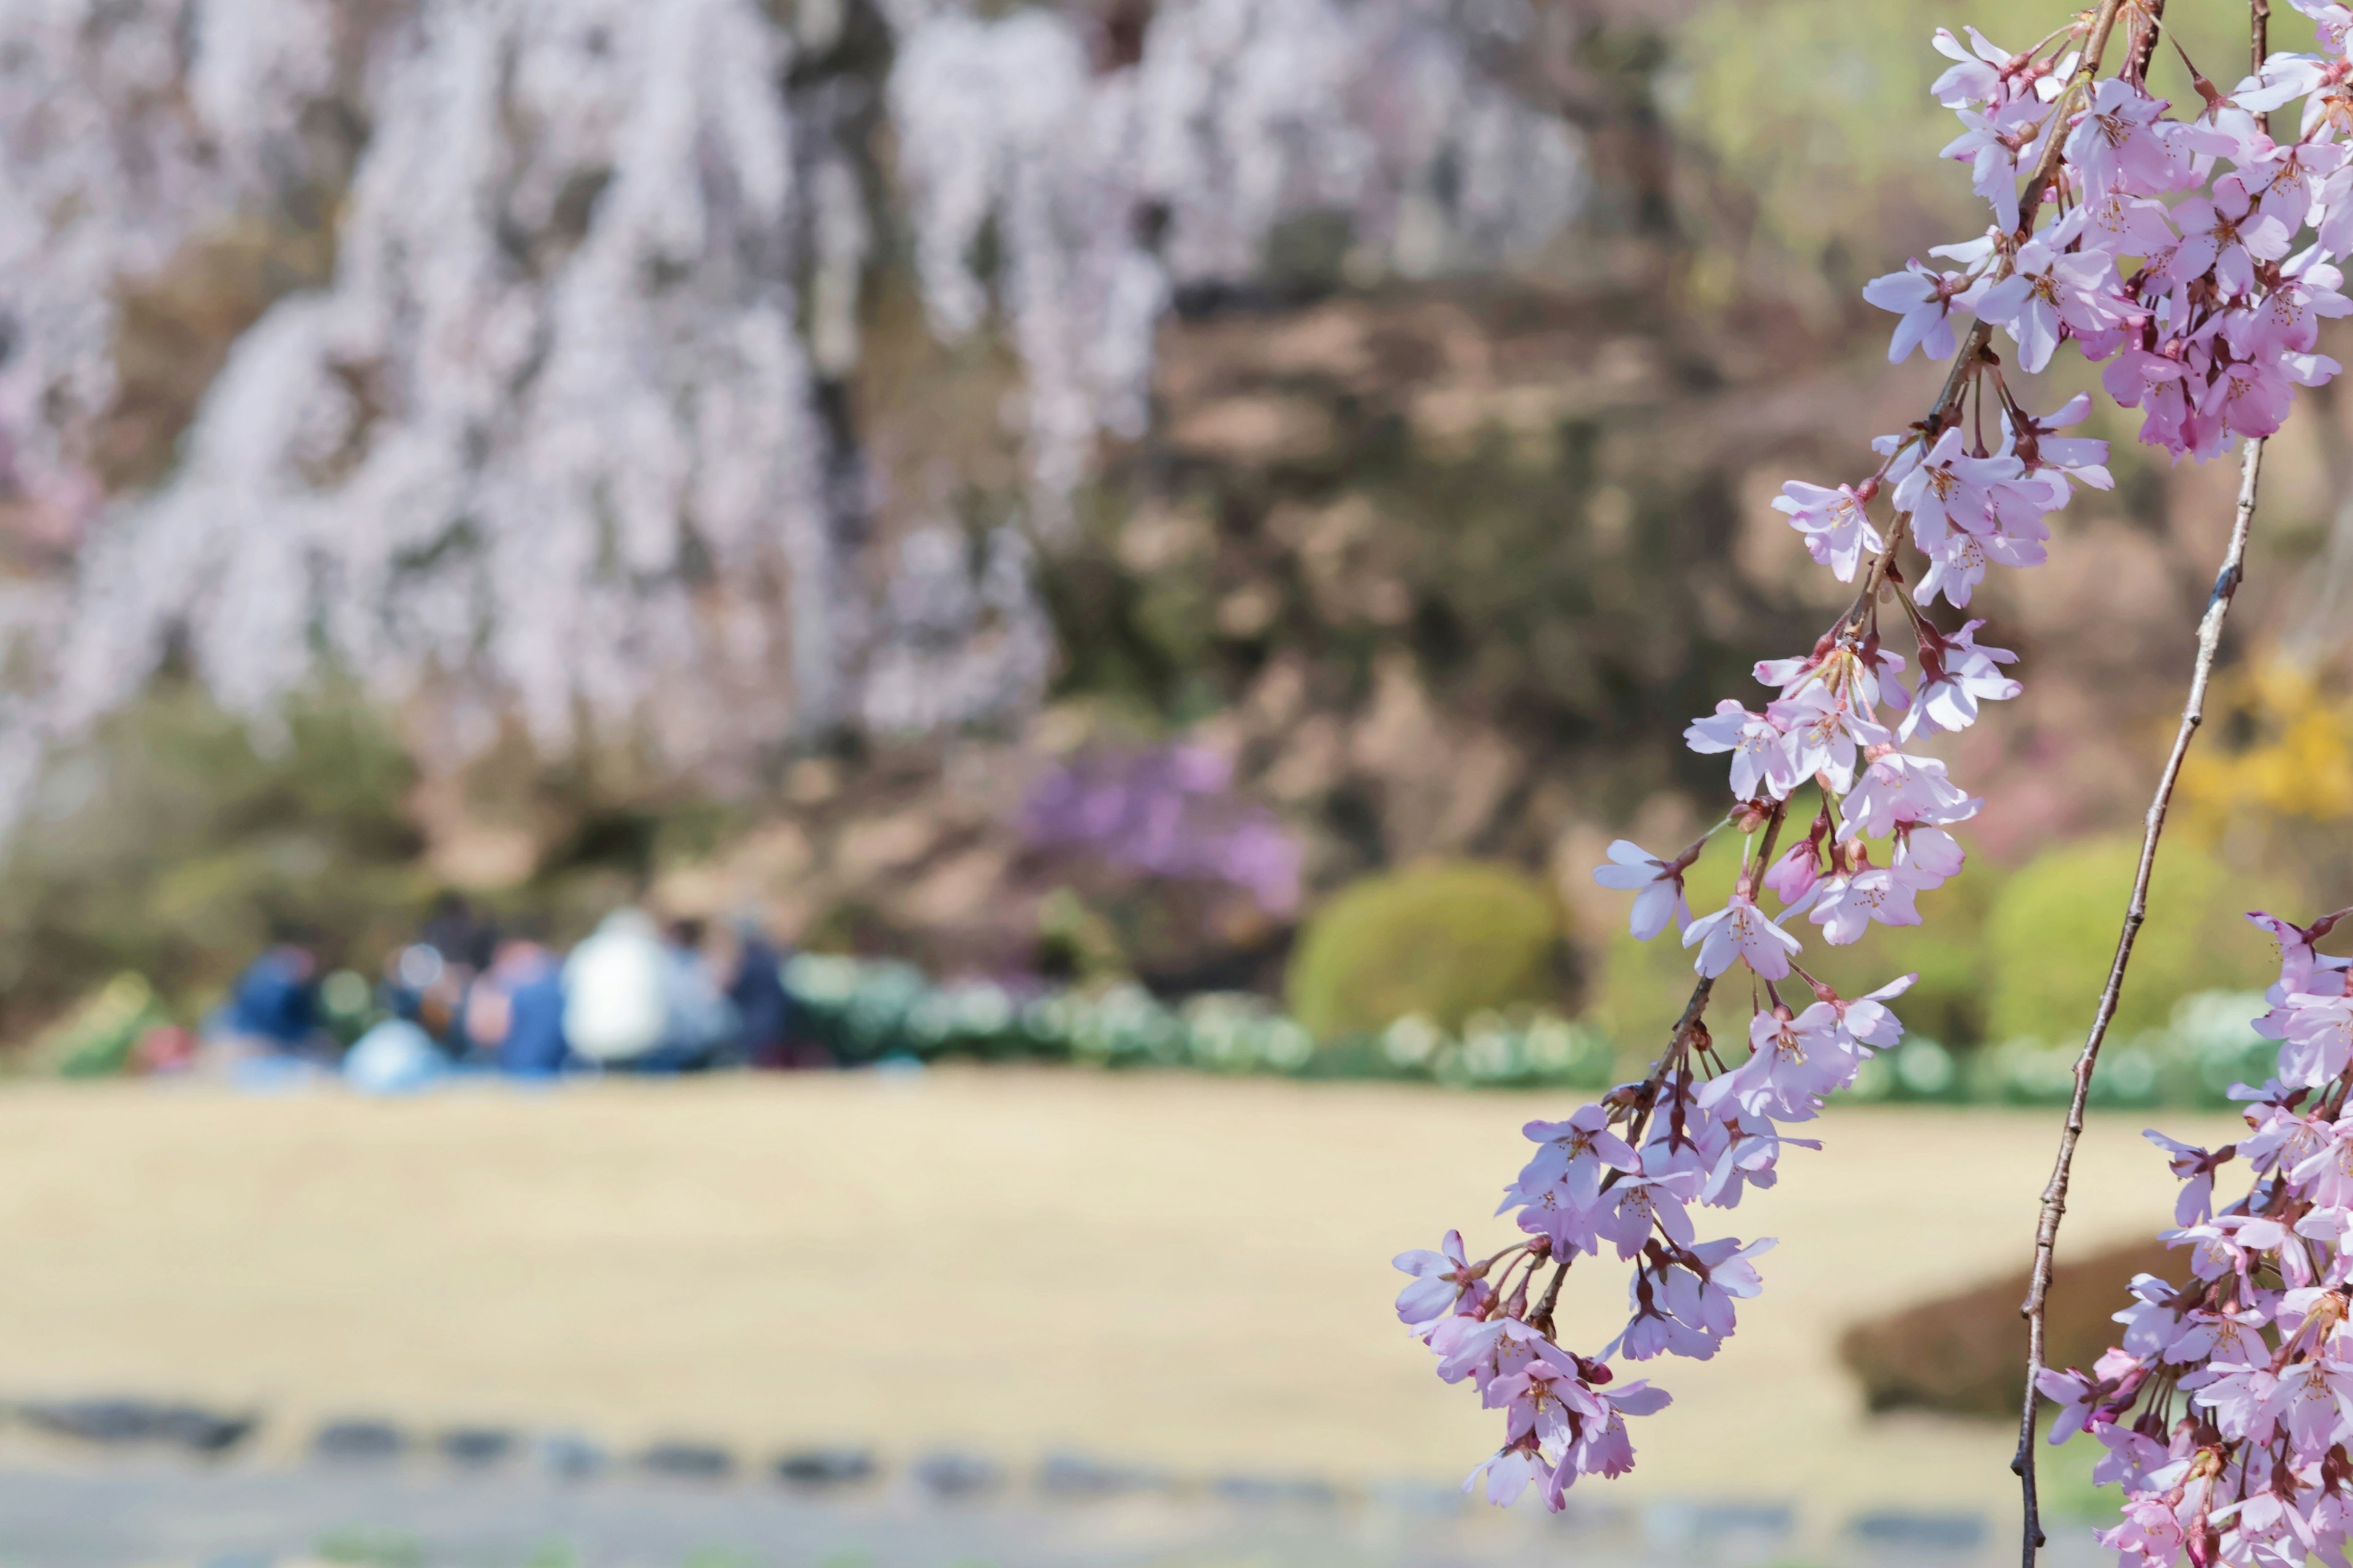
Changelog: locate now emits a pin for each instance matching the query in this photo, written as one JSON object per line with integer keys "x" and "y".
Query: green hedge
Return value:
{"x": 870, "y": 1012}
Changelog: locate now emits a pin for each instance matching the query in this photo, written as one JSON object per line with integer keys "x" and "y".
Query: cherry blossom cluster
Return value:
{"x": 2194, "y": 253}
{"x": 2161, "y": 244}
{"x": 2227, "y": 1412}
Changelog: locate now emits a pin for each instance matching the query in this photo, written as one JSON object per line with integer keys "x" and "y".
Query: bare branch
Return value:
{"x": 2054, "y": 1196}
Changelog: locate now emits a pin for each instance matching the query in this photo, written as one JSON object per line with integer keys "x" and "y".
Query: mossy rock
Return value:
{"x": 1443, "y": 940}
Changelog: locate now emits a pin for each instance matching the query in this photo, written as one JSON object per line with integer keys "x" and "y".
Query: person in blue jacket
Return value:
{"x": 273, "y": 1006}
{"x": 515, "y": 1012}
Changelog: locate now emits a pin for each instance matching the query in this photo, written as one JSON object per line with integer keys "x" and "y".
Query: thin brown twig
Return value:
{"x": 2054, "y": 1196}
{"x": 2259, "y": 47}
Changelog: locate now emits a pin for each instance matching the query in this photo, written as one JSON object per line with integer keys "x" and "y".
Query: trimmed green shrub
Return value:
{"x": 2052, "y": 934}
{"x": 1442, "y": 940}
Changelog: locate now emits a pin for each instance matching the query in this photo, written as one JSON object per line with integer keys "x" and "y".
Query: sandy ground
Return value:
{"x": 1172, "y": 1269}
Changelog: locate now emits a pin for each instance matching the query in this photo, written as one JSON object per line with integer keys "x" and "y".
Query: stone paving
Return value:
{"x": 537, "y": 1505}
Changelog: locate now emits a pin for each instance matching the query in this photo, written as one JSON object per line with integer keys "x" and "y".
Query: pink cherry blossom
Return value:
{"x": 1948, "y": 491}
{"x": 1847, "y": 906}
{"x": 1577, "y": 1152}
{"x": 1930, "y": 855}
{"x": 1835, "y": 522}
{"x": 1955, "y": 675}
{"x": 1923, "y": 301}
{"x": 2222, "y": 1410}
{"x": 1895, "y": 787}
{"x": 2048, "y": 291}
{"x": 1993, "y": 143}
{"x": 1760, "y": 765}
{"x": 1657, "y": 886}
{"x": 1794, "y": 875}
{"x": 2226, "y": 236}
{"x": 2113, "y": 144}
{"x": 1740, "y": 932}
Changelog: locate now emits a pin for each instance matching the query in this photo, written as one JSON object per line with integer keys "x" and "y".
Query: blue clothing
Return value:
{"x": 272, "y": 1000}
{"x": 764, "y": 1008}
{"x": 534, "y": 1046}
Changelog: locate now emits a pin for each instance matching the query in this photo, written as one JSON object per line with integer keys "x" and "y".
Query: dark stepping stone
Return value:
{"x": 477, "y": 1448}
{"x": 203, "y": 1431}
{"x": 820, "y": 1468}
{"x": 957, "y": 1476}
{"x": 687, "y": 1462}
{"x": 1957, "y": 1534}
{"x": 119, "y": 1421}
{"x": 568, "y": 1457}
{"x": 1074, "y": 1476}
{"x": 1262, "y": 1490}
{"x": 358, "y": 1442}
{"x": 104, "y": 1421}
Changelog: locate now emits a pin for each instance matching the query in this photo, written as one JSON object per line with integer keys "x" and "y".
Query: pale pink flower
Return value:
{"x": 2250, "y": 397}
{"x": 2226, "y": 236}
{"x": 1549, "y": 1209}
{"x": 1822, "y": 735}
{"x": 1602, "y": 1447}
{"x": 1507, "y": 1472}
{"x": 1640, "y": 1205}
{"x": 1847, "y": 906}
{"x": 1740, "y": 931}
{"x": 2326, "y": 1173}
{"x": 1868, "y": 1020}
{"x": 1992, "y": 145}
{"x": 1687, "y": 1307}
{"x": 2318, "y": 1043}
{"x": 1836, "y": 524}
{"x": 1657, "y": 886}
{"x": 1923, "y": 303}
{"x": 1577, "y": 1152}
{"x": 1896, "y": 788}
{"x": 2112, "y": 143}
{"x": 1543, "y": 1398}
{"x": 1794, "y": 1063}
{"x": 2119, "y": 222}
{"x": 1760, "y": 768}
{"x": 2048, "y": 291}
{"x": 1948, "y": 491}
{"x": 1440, "y": 1279}
{"x": 1955, "y": 675}
{"x": 1958, "y": 563}
{"x": 2241, "y": 1398}
{"x": 2075, "y": 1394}
{"x": 1978, "y": 79}
{"x": 2083, "y": 459}
{"x": 1930, "y": 855}
{"x": 2314, "y": 1399}
{"x": 2194, "y": 1168}
{"x": 2148, "y": 1537}
{"x": 1794, "y": 875}
{"x": 2286, "y": 320}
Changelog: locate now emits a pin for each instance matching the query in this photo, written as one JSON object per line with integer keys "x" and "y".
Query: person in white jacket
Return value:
{"x": 617, "y": 990}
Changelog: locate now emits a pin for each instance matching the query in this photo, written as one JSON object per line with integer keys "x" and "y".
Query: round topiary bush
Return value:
{"x": 2052, "y": 934}
{"x": 1442, "y": 940}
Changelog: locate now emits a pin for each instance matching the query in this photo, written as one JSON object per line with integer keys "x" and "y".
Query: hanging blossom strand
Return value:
{"x": 2226, "y": 1410}
{"x": 2163, "y": 243}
